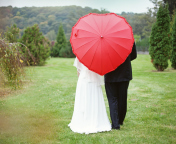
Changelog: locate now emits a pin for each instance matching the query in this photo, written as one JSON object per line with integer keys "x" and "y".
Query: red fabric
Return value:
{"x": 102, "y": 42}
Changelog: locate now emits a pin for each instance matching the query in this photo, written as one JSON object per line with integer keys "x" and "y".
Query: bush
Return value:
{"x": 12, "y": 34}
{"x": 11, "y": 63}
{"x": 37, "y": 44}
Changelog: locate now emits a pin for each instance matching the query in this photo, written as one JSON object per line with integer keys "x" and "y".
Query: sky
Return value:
{"x": 116, "y": 6}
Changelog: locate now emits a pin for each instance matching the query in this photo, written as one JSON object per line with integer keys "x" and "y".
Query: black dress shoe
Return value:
{"x": 116, "y": 128}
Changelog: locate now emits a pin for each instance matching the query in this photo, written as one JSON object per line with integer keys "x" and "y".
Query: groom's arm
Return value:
{"x": 134, "y": 52}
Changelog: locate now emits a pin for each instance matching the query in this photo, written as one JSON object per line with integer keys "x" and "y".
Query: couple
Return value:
{"x": 89, "y": 114}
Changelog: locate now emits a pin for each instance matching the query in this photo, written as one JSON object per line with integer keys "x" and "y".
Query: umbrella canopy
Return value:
{"x": 102, "y": 42}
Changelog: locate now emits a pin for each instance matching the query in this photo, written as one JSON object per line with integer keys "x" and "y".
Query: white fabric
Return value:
{"x": 89, "y": 114}
{"x": 88, "y": 75}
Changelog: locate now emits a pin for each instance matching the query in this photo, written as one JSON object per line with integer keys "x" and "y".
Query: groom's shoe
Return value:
{"x": 121, "y": 123}
{"x": 116, "y": 128}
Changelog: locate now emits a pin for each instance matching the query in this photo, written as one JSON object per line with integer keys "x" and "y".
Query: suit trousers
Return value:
{"x": 117, "y": 98}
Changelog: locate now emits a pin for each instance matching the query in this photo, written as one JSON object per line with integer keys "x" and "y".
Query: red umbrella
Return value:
{"x": 102, "y": 42}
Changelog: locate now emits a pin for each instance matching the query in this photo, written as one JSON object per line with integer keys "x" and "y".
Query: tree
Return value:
{"x": 12, "y": 34}
{"x": 173, "y": 53}
{"x": 153, "y": 42}
{"x": 143, "y": 44}
{"x": 51, "y": 35}
{"x": 172, "y": 5}
{"x": 50, "y": 18}
{"x": 60, "y": 46}
{"x": 137, "y": 38}
{"x": 162, "y": 39}
{"x": 149, "y": 19}
{"x": 157, "y": 4}
{"x": 38, "y": 45}
{"x": 69, "y": 48}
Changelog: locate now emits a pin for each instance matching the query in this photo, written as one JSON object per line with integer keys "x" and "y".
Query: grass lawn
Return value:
{"x": 40, "y": 112}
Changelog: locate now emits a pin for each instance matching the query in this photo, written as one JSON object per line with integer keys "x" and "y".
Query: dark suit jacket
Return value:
{"x": 124, "y": 71}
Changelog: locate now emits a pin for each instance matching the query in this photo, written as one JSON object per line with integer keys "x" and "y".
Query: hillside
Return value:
{"x": 49, "y": 18}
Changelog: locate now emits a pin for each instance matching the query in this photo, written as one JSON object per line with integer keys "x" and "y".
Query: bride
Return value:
{"x": 89, "y": 114}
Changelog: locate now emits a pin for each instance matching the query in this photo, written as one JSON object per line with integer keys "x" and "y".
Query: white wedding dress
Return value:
{"x": 89, "y": 114}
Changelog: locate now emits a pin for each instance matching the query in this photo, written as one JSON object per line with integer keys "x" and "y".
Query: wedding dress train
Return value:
{"x": 89, "y": 114}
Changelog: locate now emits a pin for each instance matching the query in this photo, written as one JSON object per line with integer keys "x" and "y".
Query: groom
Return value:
{"x": 116, "y": 85}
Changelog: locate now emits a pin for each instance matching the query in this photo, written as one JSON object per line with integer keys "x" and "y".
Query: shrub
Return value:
{"x": 37, "y": 44}
{"x": 12, "y": 34}
{"x": 11, "y": 63}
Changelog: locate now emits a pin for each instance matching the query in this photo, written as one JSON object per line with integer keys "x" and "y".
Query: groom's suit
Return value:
{"x": 116, "y": 85}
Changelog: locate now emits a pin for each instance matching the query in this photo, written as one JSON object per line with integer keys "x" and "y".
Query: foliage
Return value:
{"x": 173, "y": 52}
{"x": 49, "y": 19}
{"x": 137, "y": 38}
{"x": 102, "y": 11}
{"x": 153, "y": 42}
{"x": 37, "y": 44}
{"x": 70, "y": 52}
{"x": 11, "y": 63}
{"x": 149, "y": 20}
{"x": 143, "y": 44}
{"x": 172, "y": 6}
{"x": 150, "y": 17}
{"x": 155, "y": 9}
{"x": 12, "y": 33}
{"x": 60, "y": 47}
{"x": 51, "y": 35}
{"x": 171, "y": 32}
{"x": 161, "y": 40}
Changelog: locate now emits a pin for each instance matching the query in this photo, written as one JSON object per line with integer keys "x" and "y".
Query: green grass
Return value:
{"x": 40, "y": 112}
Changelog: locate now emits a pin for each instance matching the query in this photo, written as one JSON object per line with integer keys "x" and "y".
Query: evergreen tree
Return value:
{"x": 153, "y": 42}
{"x": 69, "y": 48}
{"x": 162, "y": 39}
{"x": 172, "y": 5}
{"x": 37, "y": 44}
{"x": 60, "y": 47}
{"x": 173, "y": 53}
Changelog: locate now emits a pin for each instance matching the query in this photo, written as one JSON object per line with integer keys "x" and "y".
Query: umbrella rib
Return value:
{"x": 96, "y": 23}
{"x": 90, "y": 26}
{"x": 85, "y": 37}
{"x": 117, "y": 44}
{"x": 116, "y": 31}
{"x": 119, "y": 37}
{"x": 84, "y": 44}
{"x": 114, "y": 49}
{"x": 87, "y": 31}
{"x": 110, "y": 59}
{"x": 107, "y": 24}
{"x": 93, "y": 55}
{"x": 114, "y": 25}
